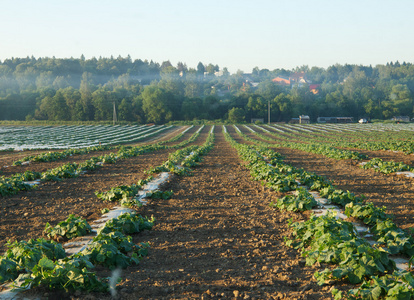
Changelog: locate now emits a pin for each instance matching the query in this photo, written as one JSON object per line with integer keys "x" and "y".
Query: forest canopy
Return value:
{"x": 79, "y": 89}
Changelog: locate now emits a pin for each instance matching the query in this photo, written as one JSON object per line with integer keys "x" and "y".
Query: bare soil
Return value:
{"x": 216, "y": 238}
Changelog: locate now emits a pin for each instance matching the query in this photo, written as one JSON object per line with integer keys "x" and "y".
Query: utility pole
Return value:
{"x": 268, "y": 111}
{"x": 114, "y": 114}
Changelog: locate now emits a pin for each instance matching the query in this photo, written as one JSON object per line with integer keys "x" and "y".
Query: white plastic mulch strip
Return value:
{"x": 406, "y": 174}
{"x": 32, "y": 183}
{"x": 262, "y": 128}
{"x": 201, "y": 128}
{"x": 251, "y": 129}
{"x": 64, "y": 137}
{"x": 277, "y": 128}
{"x": 152, "y": 186}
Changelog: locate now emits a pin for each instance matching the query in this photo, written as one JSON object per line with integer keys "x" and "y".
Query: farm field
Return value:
{"x": 64, "y": 137}
{"x": 217, "y": 237}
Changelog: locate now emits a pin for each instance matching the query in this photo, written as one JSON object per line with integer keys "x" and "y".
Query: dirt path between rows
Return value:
{"x": 217, "y": 238}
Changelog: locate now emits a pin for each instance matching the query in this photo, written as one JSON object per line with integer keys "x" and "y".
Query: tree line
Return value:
{"x": 79, "y": 89}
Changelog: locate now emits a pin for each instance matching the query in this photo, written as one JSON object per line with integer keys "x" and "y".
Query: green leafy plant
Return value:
{"x": 386, "y": 167}
{"x": 399, "y": 285}
{"x": 394, "y": 238}
{"x": 119, "y": 192}
{"x": 72, "y": 227}
{"x": 8, "y": 269}
{"x": 114, "y": 250}
{"x": 331, "y": 240}
{"x": 301, "y": 200}
{"x": 368, "y": 212}
{"x": 24, "y": 255}
{"x": 128, "y": 223}
{"x": 67, "y": 274}
{"x": 157, "y": 194}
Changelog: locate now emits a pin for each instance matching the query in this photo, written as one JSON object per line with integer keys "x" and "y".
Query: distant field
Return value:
{"x": 64, "y": 137}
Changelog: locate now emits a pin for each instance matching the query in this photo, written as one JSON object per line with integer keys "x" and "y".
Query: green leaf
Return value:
{"x": 46, "y": 263}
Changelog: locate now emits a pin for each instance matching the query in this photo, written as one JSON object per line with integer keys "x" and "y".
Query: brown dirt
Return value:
{"x": 216, "y": 237}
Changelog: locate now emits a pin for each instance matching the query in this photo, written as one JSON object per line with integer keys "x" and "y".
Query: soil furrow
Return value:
{"x": 217, "y": 238}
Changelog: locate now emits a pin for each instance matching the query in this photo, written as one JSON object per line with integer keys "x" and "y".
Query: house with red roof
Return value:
{"x": 314, "y": 88}
{"x": 282, "y": 81}
{"x": 299, "y": 79}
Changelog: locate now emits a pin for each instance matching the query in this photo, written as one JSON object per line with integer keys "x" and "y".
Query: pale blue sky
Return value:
{"x": 237, "y": 34}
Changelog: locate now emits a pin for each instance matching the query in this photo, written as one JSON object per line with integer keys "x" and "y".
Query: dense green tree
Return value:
{"x": 200, "y": 68}
{"x": 55, "y": 108}
{"x": 236, "y": 115}
{"x": 155, "y": 105}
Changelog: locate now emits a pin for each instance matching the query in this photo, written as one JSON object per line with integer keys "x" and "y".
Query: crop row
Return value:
{"x": 327, "y": 239}
{"x": 178, "y": 163}
{"x": 385, "y": 167}
{"x": 373, "y": 141}
{"x": 57, "y": 155}
{"x": 324, "y": 150}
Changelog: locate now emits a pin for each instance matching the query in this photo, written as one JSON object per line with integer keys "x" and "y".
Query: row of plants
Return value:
{"x": 385, "y": 167}
{"x": 267, "y": 166}
{"x": 406, "y": 147}
{"x": 327, "y": 151}
{"x": 331, "y": 240}
{"x": 44, "y": 263}
{"x": 322, "y": 149}
{"x": 366, "y": 140}
{"x": 17, "y": 182}
{"x": 57, "y": 155}
{"x": 357, "y": 261}
{"x": 179, "y": 163}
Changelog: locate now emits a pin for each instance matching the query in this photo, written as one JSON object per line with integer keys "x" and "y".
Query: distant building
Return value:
{"x": 314, "y": 88}
{"x": 297, "y": 79}
{"x": 281, "y": 81}
{"x": 294, "y": 121}
{"x": 304, "y": 119}
{"x": 405, "y": 119}
{"x": 219, "y": 73}
{"x": 335, "y": 119}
